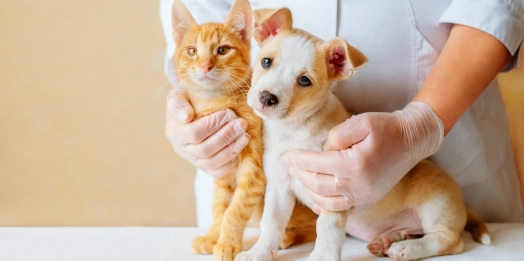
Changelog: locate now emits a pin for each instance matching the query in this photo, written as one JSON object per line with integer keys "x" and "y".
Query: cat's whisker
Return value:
{"x": 166, "y": 84}
{"x": 244, "y": 81}
{"x": 235, "y": 68}
{"x": 241, "y": 90}
{"x": 231, "y": 88}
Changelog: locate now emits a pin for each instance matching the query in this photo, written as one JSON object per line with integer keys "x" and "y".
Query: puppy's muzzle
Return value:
{"x": 268, "y": 99}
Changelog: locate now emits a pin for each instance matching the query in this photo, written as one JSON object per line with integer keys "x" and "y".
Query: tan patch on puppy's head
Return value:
{"x": 270, "y": 22}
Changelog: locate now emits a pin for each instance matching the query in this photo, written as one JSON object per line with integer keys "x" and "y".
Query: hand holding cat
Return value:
{"x": 365, "y": 156}
{"x": 211, "y": 143}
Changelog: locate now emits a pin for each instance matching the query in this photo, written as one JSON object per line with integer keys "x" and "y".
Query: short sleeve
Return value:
{"x": 202, "y": 10}
{"x": 504, "y": 19}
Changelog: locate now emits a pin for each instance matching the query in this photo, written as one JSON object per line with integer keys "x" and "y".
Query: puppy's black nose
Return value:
{"x": 268, "y": 99}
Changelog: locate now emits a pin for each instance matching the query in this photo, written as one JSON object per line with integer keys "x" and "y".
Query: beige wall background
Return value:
{"x": 512, "y": 90}
{"x": 82, "y": 95}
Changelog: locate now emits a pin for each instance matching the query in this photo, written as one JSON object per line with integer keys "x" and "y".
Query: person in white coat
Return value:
{"x": 431, "y": 74}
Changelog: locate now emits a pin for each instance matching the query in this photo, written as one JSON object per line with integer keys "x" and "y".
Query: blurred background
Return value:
{"x": 82, "y": 95}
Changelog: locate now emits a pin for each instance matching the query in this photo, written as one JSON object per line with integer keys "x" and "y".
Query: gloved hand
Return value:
{"x": 365, "y": 156}
{"x": 211, "y": 143}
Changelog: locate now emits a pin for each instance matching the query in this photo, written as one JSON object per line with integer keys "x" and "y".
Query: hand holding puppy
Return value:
{"x": 365, "y": 156}
{"x": 211, "y": 143}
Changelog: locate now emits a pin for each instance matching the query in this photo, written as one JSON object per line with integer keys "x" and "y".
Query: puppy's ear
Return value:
{"x": 342, "y": 59}
{"x": 240, "y": 18}
{"x": 269, "y": 22}
{"x": 182, "y": 21}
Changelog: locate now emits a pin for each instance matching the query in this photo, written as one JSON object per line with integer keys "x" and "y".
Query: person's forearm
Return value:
{"x": 469, "y": 61}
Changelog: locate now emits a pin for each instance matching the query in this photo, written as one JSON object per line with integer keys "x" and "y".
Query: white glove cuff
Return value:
{"x": 428, "y": 130}
{"x": 436, "y": 117}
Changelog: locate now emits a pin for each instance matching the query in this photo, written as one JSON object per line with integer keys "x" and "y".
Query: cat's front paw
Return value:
{"x": 226, "y": 252}
{"x": 203, "y": 245}
{"x": 254, "y": 255}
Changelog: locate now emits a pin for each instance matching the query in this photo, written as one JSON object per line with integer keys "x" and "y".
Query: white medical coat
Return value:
{"x": 402, "y": 40}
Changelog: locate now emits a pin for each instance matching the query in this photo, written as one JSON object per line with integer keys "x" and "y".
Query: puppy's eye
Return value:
{"x": 191, "y": 51}
{"x": 266, "y": 62}
{"x": 304, "y": 81}
{"x": 223, "y": 50}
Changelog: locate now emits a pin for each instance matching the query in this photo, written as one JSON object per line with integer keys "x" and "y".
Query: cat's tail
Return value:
{"x": 478, "y": 229}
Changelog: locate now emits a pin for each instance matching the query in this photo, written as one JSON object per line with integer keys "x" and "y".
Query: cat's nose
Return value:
{"x": 206, "y": 67}
{"x": 268, "y": 99}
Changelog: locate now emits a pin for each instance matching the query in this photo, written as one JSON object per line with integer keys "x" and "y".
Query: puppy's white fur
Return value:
{"x": 301, "y": 120}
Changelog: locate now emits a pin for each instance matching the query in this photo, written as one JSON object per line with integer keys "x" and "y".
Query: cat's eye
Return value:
{"x": 304, "y": 81}
{"x": 223, "y": 50}
{"x": 266, "y": 62}
{"x": 191, "y": 51}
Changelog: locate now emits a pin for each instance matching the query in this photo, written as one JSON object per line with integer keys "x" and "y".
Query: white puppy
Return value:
{"x": 291, "y": 91}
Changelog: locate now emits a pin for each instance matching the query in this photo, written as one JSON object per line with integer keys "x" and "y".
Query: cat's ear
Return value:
{"x": 342, "y": 59}
{"x": 240, "y": 18}
{"x": 182, "y": 21}
{"x": 269, "y": 22}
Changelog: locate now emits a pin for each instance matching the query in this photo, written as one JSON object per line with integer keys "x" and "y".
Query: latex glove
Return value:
{"x": 365, "y": 156}
{"x": 211, "y": 143}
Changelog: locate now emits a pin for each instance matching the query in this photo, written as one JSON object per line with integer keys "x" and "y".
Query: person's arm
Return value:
{"x": 469, "y": 61}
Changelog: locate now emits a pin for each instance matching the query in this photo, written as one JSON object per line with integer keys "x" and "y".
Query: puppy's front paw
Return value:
{"x": 254, "y": 255}
{"x": 226, "y": 252}
{"x": 203, "y": 245}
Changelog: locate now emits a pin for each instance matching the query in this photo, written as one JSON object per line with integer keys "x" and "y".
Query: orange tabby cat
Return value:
{"x": 212, "y": 63}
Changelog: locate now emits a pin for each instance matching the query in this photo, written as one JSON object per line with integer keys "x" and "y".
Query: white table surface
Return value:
{"x": 172, "y": 243}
